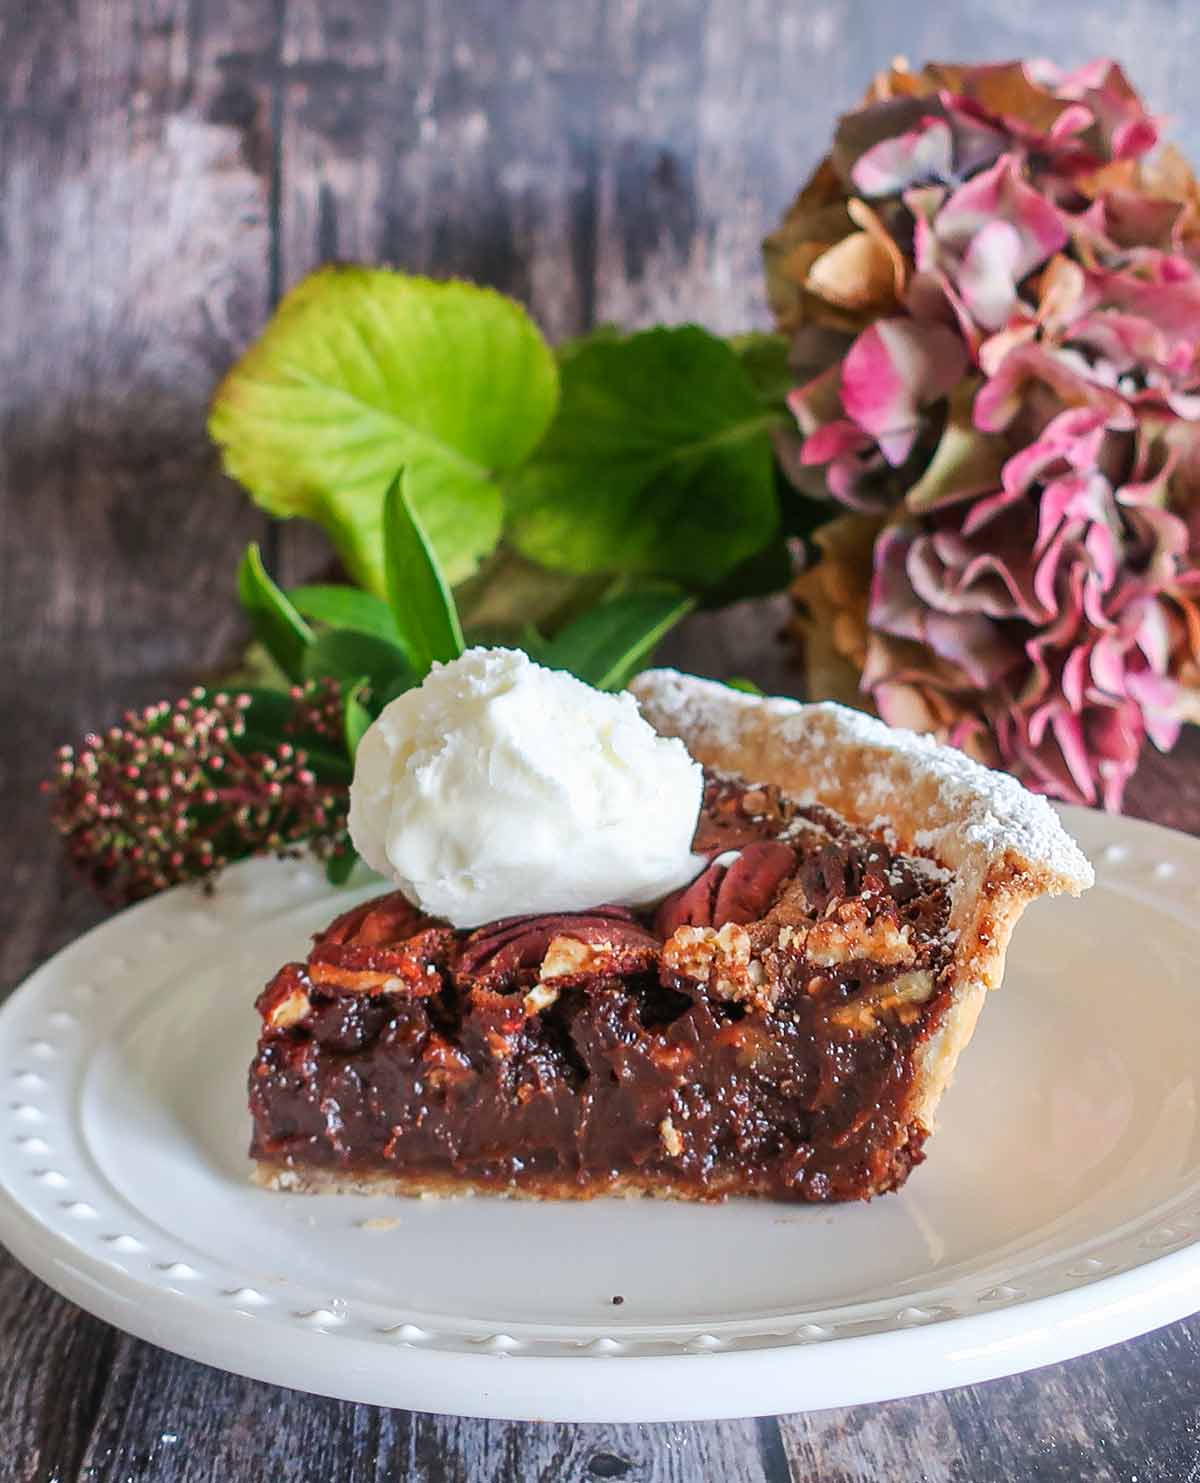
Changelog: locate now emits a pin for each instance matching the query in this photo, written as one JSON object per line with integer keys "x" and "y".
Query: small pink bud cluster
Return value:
{"x": 174, "y": 793}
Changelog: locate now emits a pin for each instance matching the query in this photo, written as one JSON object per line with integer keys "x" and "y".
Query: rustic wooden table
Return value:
{"x": 167, "y": 167}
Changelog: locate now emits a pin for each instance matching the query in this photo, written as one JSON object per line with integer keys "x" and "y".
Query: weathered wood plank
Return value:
{"x": 182, "y": 1423}
{"x": 134, "y": 249}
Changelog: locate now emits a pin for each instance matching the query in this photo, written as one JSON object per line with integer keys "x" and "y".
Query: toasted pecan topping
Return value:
{"x": 387, "y": 920}
{"x": 720, "y": 961}
{"x": 578, "y": 945}
{"x": 384, "y": 946}
{"x": 852, "y": 930}
{"x": 285, "y": 1002}
{"x": 541, "y": 996}
{"x": 740, "y": 890}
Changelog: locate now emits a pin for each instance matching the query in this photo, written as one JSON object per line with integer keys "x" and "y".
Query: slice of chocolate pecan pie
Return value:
{"x": 784, "y": 1026}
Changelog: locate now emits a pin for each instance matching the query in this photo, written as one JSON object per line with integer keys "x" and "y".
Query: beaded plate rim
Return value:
{"x": 61, "y": 1217}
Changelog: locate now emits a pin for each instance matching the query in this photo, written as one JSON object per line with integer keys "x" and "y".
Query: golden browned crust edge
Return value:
{"x": 1003, "y": 845}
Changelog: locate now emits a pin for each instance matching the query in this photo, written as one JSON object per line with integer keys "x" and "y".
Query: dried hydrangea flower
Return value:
{"x": 994, "y": 304}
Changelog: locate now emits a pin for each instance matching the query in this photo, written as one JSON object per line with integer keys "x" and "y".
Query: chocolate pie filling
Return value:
{"x": 756, "y": 1035}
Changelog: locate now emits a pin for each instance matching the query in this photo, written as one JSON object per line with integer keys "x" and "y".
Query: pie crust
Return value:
{"x": 1003, "y": 846}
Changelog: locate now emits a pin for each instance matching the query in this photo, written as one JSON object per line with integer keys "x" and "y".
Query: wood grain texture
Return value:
{"x": 167, "y": 167}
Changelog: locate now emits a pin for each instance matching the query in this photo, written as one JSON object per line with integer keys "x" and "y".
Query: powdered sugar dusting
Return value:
{"x": 991, "y": 811}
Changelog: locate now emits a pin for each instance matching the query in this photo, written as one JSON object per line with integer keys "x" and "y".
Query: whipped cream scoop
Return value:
{"x": 499, "y": 787}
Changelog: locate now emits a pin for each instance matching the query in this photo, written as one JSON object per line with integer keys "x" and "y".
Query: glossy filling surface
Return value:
{"x": 755, "y": 1035}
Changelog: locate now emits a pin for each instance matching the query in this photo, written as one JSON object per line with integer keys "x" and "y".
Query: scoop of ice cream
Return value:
{"x": 500, "y": 787}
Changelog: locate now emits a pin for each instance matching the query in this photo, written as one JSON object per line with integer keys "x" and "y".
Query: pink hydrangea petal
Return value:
{"x": 898, "y": 705}
{"x": 1101, "y": 546}
{"x": 893, "y": 605}
{"x": 1115, "y": 735}
{"x": 987, "y": 275}
{"x": 834, "y": 440}
{"x": 1070, "y": 121}
{"x": 1129, "y": 219}
{"x": 1000, "y": 193}
{"x": 1183, "y": 405}
{"x": 1152, "y": 477}
{"x": 992, "y": 350}
{"x": 924, "y": 152}
{"x": 1105, "y": 90}
{"x": 1002, "y": 396}
{"x": 1165, "y": 539}
{"x": 985, "y": 510}
{"x": 1077, "y": 497}
{"x": 978, "y": 143}
{"x": 1137, "y": 137}
{"x": 893, "y": 369}
{"x": 1153, "y": 636}
{"x": 1157, "y": 699}
{"x": 972, "y": 642}
{"x": 1160, "y": 288}
{"x": 1046, "y": 571}
{"x": 923, "y": 203}
{"x": 1073, "y": 437}
{"x": 1074, "y": 671}
{"x": 1018, "y": 593}
{"x": 1124, "y": 340}
{"x": 1094, "y": 603}
{"x": 1107, "y": 665}
{"x": 1034, "y": 747}
{"x": 818, "y": 401}
{"x": 1061, "y": 632}
{"x": 952, "y": 576}
{"x": 1068, "y": 733}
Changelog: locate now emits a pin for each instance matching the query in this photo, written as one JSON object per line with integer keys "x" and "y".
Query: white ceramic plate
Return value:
{"x": 1058, "y": 1212}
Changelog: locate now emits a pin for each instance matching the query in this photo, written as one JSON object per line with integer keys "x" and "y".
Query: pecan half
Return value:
{"x": 503, "y": 954}
{"x": 409, "y": 968}
{"x": 285, "y": 1002}
{"x": 741, "y": 891}
{"x": 387, "y": 919}
{"x": 383, "y": 946}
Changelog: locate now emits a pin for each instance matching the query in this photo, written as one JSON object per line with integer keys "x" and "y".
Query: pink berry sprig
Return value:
{"x": 177, "y": 791}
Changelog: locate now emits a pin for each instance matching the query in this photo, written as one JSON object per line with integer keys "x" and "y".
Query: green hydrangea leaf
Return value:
{"x": 340, "y": 867}
{"x": 508, "y": 593}
{"x": 356, "y": 719}
{"x": 345, "y": 607}
{"x": 361, "y": 371}
{"x": 764, "y": 358}
{"x": 277, "y": 624}
{"x": 658, "y": 465}
{"x": 349, "y": 656}
{"x": 609, "y": 643}
{"x": 426, "y": 617}
{"x": 767, "y": 571}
